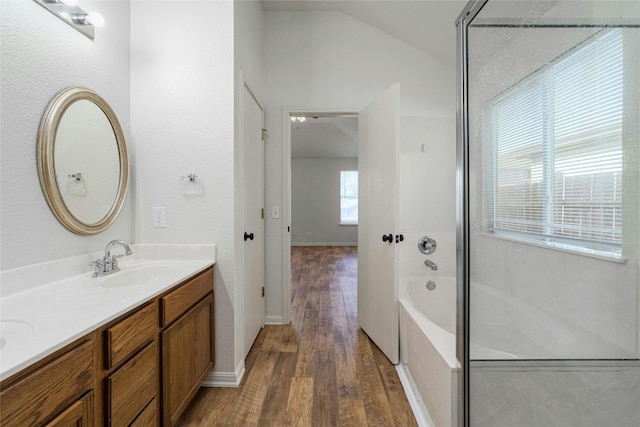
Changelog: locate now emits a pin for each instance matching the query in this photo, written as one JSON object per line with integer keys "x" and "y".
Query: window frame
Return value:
{"x": 340, "y": 201}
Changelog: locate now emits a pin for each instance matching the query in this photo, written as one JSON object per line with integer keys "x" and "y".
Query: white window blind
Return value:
{"x": 348, "y": 197}
{"x": 555, "y": 153}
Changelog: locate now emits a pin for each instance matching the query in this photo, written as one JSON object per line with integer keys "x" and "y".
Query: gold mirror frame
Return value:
{"x": 46, "y": 160}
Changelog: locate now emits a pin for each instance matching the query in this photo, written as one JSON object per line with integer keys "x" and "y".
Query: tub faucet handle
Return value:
{"x": 427, "y": 245}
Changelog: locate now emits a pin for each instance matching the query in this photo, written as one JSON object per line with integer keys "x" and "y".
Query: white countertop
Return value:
{"x": 38, "y": 320}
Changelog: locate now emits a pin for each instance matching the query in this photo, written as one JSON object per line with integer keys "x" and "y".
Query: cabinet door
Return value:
{"x": 79, "y": 414}
{"x": 187, "y": 356}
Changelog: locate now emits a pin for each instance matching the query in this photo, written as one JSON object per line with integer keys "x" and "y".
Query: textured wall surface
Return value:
{"x": 182, "y": 115}
{"x": 41, "y": 55}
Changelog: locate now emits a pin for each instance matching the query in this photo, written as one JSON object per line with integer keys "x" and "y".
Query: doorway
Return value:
{"x": 377, "y": 235}
{"x": 319, "y": 145}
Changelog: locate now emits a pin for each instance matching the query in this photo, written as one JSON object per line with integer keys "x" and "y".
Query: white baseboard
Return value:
{"x": 273, "y": 320}
{"x": 324, "y": 243}
{"x": 225, "y": 379}
{"x": 419, "y": 411}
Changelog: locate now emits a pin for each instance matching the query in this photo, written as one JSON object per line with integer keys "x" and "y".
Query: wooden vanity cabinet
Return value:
{"x": 56, "y": 392}
{"x": 139, "y": 370}
{"x": 187, "y": 343}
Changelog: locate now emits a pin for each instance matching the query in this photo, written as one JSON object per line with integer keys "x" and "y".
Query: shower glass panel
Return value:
{"x": 553, "y": 213}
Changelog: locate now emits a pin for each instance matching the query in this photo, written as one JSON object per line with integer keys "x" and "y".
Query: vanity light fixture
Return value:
{"x": 69, "y": 12}
{"x": 92, "y": 18}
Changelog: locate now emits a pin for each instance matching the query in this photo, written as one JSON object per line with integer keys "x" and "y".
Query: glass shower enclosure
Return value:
{"x": 549, "y": 213}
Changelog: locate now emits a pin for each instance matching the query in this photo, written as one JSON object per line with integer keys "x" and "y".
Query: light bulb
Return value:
{"x": 95, "y": 19}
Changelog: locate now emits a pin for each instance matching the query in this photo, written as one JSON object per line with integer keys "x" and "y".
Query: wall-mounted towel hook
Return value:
{"x": 75, "y": 184}
{"x": 191, "y": 185}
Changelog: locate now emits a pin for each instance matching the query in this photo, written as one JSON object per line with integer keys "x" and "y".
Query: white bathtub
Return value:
{"x": 427, "y": 345}
{"x": 513, "y": 343}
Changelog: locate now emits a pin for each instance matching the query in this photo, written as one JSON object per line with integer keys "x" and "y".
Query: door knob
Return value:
{"x": 387, "y": 237}
{"x": 248, "y": 236}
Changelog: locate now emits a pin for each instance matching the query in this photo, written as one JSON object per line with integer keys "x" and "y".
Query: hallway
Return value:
{"x": 321, "y": 370}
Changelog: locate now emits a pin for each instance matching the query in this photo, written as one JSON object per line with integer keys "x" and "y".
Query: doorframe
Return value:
{"x": 246, "y": 85}
{"x": 287, "y": 112}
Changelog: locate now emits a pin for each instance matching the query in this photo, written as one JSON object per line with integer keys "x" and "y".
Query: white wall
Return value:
{"x": 427, "y": 178}
{"x": 328, "y": 60}
{"x": 41, "y": 55}
{"x": 427, "y": 194}
{"x": 182, "y": 80}
{"x": 315, "y": 202}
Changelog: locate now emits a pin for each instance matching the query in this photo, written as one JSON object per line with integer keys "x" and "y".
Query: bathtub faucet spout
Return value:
{"x": 432, "y": 265}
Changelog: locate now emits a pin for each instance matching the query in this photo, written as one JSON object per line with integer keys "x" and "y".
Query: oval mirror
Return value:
{"x": 82, "y": 161}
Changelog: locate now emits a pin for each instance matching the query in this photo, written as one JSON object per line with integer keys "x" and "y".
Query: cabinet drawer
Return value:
{"x": 177, "y": 302}
{"x": 50, "y": 389}
{"x": 129, "y": 335}
{"x": 77, "y": 415}
{"x": 148, "y": 417}
{"x": 132, "y": 387}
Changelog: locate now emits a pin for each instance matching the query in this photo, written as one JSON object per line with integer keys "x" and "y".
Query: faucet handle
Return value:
{"x": 95, "y": 263}
{"x": 427, "y": 245}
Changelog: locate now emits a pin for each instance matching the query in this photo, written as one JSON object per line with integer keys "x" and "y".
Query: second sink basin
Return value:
{"x": 12, "y": 331}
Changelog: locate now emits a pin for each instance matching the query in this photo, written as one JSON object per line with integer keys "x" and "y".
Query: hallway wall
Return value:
{"x": 182, "y": 80}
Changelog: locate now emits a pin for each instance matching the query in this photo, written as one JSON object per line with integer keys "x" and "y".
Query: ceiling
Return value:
{"x": 325, "y": 137}
{"x": 428, "y": 25}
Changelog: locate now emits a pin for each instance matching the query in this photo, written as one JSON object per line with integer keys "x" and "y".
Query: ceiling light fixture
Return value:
{"x": 297, "y": 120}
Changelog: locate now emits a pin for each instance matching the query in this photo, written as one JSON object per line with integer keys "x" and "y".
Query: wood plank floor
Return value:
{"x": 321, "y": 370}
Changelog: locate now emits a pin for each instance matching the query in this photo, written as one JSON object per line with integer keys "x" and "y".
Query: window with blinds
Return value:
{"x": 554, "y": 170}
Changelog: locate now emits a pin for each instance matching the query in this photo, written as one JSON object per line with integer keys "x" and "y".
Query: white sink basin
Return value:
{"x": 135, "y": 274}
{"x": 14, "y": 331}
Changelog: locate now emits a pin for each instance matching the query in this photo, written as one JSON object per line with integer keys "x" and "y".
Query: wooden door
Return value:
{"x": 252, "y": 214}
{"x": 378, "y": 220}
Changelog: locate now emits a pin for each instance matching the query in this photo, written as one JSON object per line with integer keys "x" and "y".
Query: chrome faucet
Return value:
{"x": 432, "y": 265}
{"x": 109, "y": 264}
